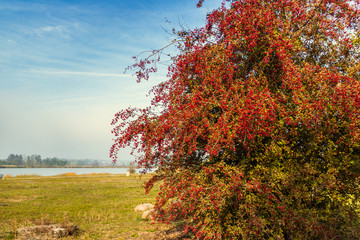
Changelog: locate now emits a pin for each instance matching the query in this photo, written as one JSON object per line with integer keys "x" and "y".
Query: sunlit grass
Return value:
{"x": 102, "y": 205}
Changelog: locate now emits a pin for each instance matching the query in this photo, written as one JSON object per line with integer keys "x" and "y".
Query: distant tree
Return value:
{"x": 15, "y": 159}
{"x": 11, "y": 159}
{"x": 256, "y": 133}
{"x": 81, "y": 163}
{"x": 95, "y": 163}
{"x": 28, "y": 161}
{"x": 46, "y": 161}
{"x": 62, "y": 162}
{"x": 131, "y": 168}
{"x": 54, "y": 162}
{"x": 33, "y": 160}
{"x": 38, "y": 160}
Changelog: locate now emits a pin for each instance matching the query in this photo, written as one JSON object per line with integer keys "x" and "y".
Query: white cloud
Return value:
{"x": 49, "y": 29}
{"x": 59, "y": 30}
{"x": 95, "y": 74}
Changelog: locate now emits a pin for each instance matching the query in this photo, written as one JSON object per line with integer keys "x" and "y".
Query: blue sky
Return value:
{"x": 62, "y": 69}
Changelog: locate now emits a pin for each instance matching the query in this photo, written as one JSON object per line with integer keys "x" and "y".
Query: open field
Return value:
{"x": 102, "y": 206}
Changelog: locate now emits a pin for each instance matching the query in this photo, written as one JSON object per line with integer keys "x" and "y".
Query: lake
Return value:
{"x": 56, "y": 171}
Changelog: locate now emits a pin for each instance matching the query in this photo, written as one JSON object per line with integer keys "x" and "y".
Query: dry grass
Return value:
{"x": 21, "y": 175}
{"x": 68, "y": 174}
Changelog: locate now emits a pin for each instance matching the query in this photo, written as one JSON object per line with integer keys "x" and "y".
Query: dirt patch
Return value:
{"x": 175, "y": 233}
{"x": 17, "y": 199}
{"x": 46, "y": 232}
{"x": 162, "y": 235}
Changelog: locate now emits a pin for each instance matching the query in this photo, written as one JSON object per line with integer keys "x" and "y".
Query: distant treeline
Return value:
{"x": 36, "y": 160}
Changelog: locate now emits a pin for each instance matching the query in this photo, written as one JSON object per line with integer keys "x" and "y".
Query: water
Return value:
{"x": 56, "y": 171}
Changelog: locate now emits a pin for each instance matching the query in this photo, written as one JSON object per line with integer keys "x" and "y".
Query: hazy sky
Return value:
{"x": 61, "y": 69}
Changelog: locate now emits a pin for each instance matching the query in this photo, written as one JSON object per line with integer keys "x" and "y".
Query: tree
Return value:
{"x": 15, "y": 159}
{"x": 131, "y": 168}
{"x": 95, "y": 163}
{"x": 33, "y": 160}
{"x": 258, "y": 136}
{"x": 54, "y": 162}
{"x": 37, "y": 160}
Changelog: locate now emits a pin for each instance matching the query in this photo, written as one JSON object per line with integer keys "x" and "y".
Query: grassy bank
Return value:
{"x": 66, "y": 166}
{"x": 101, "y": 205}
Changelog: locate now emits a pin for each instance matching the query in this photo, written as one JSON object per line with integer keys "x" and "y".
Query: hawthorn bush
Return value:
{"x": 256, "y": 132}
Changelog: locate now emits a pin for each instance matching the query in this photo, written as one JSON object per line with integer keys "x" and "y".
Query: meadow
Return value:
{"x": 101, "y": 205}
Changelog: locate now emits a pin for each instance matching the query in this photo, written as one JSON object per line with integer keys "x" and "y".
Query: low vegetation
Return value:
{"x": 101, "y": 206}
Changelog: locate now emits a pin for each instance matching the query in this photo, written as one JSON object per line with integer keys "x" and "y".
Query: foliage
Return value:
{"x": 32, "y": 161}
{"x": 36, "y": 160}
{"x": 258, "y": 136}
{"x": 15, "y": 159}
{"x": 54, "y": 162}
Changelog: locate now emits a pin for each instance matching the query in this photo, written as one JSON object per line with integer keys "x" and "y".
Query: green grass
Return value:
{"x": 101, "y": 205}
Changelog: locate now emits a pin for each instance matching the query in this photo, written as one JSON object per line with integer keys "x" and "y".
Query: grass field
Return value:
{"x": 101, "y": 205}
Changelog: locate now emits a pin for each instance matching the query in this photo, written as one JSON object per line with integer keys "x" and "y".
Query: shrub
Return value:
{"x": 258, "y": 137}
